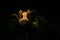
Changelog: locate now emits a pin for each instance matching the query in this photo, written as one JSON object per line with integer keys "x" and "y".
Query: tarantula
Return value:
{"x": 23, "y": 15}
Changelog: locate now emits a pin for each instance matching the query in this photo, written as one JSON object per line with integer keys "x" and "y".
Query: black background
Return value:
{"x": 9, "y": 7}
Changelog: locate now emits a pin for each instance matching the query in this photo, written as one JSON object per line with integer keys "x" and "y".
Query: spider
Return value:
{"x": 23, "y": 15}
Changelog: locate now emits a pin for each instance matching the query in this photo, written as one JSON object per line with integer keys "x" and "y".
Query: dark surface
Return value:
{"x": 10, "y": 7}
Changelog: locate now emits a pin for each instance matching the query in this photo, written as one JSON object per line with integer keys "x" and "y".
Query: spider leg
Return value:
{"x": 16, "y": 16}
